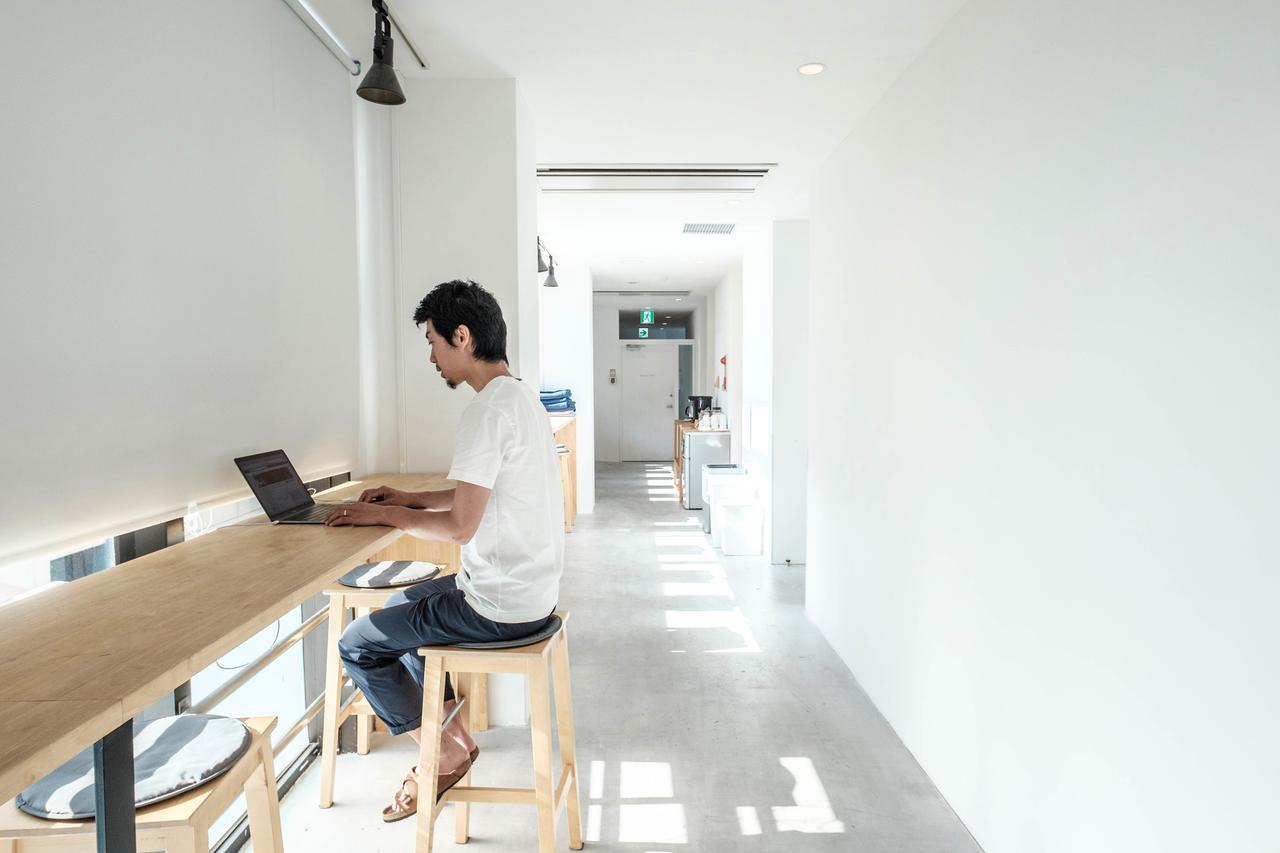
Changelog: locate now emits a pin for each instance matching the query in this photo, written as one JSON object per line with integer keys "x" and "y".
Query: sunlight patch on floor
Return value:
{"x": 717, "y": 587}
{"x": 645, "y": 780}
{"x": 723, "y": 620}
{"x": 812, "y": 810}
{"x": 652, "y": 823}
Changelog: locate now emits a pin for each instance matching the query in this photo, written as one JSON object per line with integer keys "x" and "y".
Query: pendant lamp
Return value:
{"x": 380, "y": 85}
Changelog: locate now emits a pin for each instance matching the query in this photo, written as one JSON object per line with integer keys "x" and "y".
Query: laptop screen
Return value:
{"x": 275, "y": 483}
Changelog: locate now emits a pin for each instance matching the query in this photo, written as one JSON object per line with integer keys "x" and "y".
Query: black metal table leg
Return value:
{"x": 113, "y": 775}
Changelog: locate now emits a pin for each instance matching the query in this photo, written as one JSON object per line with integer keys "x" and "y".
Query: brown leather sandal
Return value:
{"x": 405, "y": 803}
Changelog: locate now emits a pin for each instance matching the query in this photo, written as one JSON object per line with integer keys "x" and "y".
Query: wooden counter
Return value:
{"x": 677, "y": 469}
{"x": 565, "y": 430}
{"x": 78, "y": 660}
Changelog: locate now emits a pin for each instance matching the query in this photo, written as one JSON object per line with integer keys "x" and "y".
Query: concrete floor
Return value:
{"x": 711, "y": 714}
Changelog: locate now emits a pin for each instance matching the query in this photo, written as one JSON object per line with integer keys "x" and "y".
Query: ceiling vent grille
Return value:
{"x": 651, "y": 177}
{"x": 680, "y": 293}
{"x": 708, "y": 228}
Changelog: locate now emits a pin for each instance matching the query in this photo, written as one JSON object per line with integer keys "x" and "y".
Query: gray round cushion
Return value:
{"x": 389, "y": 573}
{"x": 544, "y": 633}
{"x": 171, "y": 756}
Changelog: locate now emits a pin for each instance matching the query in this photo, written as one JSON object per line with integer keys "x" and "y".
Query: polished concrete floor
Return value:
{"x": 711, "y": 714}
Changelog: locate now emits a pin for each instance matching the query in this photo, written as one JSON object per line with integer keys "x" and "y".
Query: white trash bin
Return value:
{"x": 724, "y": 489}
{"x": 742, "y": 521}
{"x": 710, "y": 473}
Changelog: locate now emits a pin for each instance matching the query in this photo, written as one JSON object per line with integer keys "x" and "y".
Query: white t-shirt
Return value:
{"x": 511, "y": 567}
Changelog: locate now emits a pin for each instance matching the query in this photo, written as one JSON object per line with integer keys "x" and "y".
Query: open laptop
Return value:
{"x": 279, "y": 489}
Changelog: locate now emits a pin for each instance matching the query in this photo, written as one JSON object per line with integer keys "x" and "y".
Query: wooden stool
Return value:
{"x": 179, "y": 825}
{"x": 569, "y": 485}
{"x": 548, "y": 796}
{"x": 336, "y": 712}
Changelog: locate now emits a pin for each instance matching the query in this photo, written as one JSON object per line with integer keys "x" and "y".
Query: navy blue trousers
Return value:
{"x": 380, "y": 651}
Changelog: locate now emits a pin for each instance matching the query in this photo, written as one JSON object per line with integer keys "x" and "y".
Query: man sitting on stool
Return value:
{"x": 505, "y": 513}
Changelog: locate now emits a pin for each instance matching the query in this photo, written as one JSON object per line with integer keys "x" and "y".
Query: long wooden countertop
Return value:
{"x": 78, "y": 660}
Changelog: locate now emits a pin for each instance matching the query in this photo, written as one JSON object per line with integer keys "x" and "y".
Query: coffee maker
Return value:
{"x": 696, "y": 406}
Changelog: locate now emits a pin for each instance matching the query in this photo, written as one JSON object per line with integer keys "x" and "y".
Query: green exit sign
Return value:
{"x": 646, "y": 317}
{"x": 644, "y": 333}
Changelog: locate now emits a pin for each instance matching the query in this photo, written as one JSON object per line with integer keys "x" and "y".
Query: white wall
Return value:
{"x": 462, "y": 168}
{"x": 464, "y": 173}
{"x": 792, "y": 407}
{"x": 177, "y": 238}
{"x": 529, "y": 317}
{"x": 606, "y": 356}
{"x": 1045, "y": 342}
{"x": 753, "y": 428}
{"x": 379, "y": 313}
{"x": 726, "y": 336}
{"x": 567, "y": 345}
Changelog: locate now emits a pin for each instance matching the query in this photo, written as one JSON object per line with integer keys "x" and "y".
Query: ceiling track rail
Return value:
{"x": 322, "y": 32}
{"x": 395, "y": 20}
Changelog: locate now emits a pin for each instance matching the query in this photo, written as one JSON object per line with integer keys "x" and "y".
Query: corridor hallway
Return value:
{"x": 711, "y": 714}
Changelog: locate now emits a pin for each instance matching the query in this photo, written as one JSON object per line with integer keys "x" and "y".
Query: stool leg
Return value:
{"x": 462, "y": 683}
{"x": 568, "y": 745}
{"x": 480, "y": 696}
{"x": 332, "y": 699}
{"x": 543, "y": 780}
{"x": 364, "y": 722}
{"x": 263, "y": 802}
{"x": 429, "y": 753}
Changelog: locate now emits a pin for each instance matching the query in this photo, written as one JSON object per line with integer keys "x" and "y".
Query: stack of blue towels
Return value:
{"x": 558, "y": 401}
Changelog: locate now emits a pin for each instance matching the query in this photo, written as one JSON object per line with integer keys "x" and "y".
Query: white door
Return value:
{"x": 649, "y": 382}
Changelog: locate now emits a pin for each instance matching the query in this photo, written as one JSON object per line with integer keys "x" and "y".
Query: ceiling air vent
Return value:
{"x": 651, "y": 177}
{"x": 708, "y": 228}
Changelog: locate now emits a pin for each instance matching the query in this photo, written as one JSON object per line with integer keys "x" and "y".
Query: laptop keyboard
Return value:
{"x": 318, "y": 512}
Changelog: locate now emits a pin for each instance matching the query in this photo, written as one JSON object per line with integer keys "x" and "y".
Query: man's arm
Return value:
{"x": 388, "y": 496}
{"x": 456, "y": 524}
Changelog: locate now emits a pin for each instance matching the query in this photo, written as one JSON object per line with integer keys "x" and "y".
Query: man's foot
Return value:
{"x": 458, "y": 730}
{"x": 405, "y": 803}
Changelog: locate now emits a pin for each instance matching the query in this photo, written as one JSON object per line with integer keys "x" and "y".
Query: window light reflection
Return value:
{"x": 812, "y": 810}
{"x": 652, "y": 823}
{"x": 595, "y": 817}
{"x": 749, "y": 821}
{"x": 716, "y": 587}
{"x": 645, "y": 780}
{"x": 597, "y": 780}
{"x": 724, "y": 620}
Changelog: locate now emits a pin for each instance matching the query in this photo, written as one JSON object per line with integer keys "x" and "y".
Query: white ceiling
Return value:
{"x": 668, "y": 81}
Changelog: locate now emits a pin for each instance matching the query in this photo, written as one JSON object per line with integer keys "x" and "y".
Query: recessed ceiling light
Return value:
{"x": 735, "y": 202}
{"x": 811, "y": 68}
{"x": 679, "y": 299}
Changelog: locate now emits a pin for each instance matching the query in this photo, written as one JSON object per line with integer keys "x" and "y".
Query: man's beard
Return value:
{"x": 453, "y": 386}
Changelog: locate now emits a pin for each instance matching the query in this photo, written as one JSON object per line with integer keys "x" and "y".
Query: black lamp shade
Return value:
{"x": 381, "y": 85}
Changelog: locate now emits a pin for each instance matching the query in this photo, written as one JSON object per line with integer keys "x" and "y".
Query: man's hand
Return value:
{"x": 360, "y": 515}
{"x": 386, "y": 496}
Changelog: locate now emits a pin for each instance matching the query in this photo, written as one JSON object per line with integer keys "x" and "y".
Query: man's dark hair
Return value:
{"x": 465, "y": 303}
